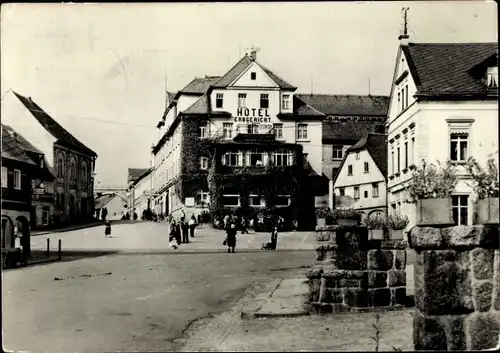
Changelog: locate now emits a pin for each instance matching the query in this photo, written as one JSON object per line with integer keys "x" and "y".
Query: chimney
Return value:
{"x": 404, "y": 38}
{"x": 253, "y": 55}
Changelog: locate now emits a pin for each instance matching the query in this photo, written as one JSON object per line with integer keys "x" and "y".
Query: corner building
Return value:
{"x": 243, "y": 142}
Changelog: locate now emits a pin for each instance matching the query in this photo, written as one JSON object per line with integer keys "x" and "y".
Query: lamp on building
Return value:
{"x": 42, "y": 185}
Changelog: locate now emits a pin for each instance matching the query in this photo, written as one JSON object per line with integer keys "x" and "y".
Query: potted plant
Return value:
{"x": 396, "y": 224}
{"x": 347, "y": 216}
{"x": 431, "y": 188}
{"x": 486, "y": 185}
{"x": 376, "y": 224}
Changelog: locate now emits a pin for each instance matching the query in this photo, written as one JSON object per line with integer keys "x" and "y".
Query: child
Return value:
{"x": 107, "y": 230}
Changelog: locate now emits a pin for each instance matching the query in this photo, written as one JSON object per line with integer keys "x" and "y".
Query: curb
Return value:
{"x": 256, "y": 315}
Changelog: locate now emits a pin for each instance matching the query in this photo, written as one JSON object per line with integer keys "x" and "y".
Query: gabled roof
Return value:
{"x": 61, "y": 134}
{"x": 142, "y": 176}
{"x": 347, "y": 105}
{"x": 241, "y": 66}
{"x": 300, "y": 107}
{"x": 350, "y": 130}
{"x": 201, "y": 106}
{"x": 199, "y": 85}
{"x": 135, "y": 173}
{"x": 376, "y": 145}
{"x": 170, "y": 97}
{"x": 11, "y": 150}
{"x": 21, "y": 141}
{"x": 103, "y": 200}
{"x": 444, "y": 68}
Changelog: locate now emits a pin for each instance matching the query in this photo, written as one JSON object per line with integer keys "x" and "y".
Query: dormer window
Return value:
{"x": 492, "y": 77}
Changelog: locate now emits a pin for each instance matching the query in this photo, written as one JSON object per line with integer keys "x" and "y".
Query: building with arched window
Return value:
{"x": 69, "y": 198}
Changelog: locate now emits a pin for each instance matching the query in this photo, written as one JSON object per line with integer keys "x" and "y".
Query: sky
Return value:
{"x": 101, "y": 69}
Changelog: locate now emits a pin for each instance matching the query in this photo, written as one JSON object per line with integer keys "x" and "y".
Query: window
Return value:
{"x": 282, "y": 200}
{"x": 84, "y": 174}
{"x": 17, "y": 179}
{"x": 305, "y": 161}
{"x": 341, "y": 191}
{"x": 356, "y": 192}
{"x": 203, "y": 163}
{"x": 45, "y": 217}
{"x": 403, "y": 99}
{"x": 202, "y": 132}
{"x": 349, "y": 170}
{"x": 72, "y": 170}
{"x": 406, "y": 154}
{"x": 406, "y": 96}
{"x": 60, "y": 166}
{"x": 367, "y": 167}
{"x": 458, "y": 147}
{"x": 253, "y": 75}
{"x": 255, "y": 200}
{"x": 204, "y": 198}
{"x": 252, "y": 129}
{"x": 399, "y": 161}
{"x": 4, "y": 177}
{"x": 357, "y": 155}
{"x": 232, "y": 159}
{"x": 231, "y": 200}
{"x": 264, "y": 101}
{"x": 278, "y": 130}
{"x": 283, "y": 158}
{"x": 366, "y": 194}
{"x": 219, "y": 100}
{"x": 255, "y": 158}
{"x": 392, "y": 162}
{"x": 375, "y": 190}
{"x": 242, "y": 100}
{"x": 227, "y": 130}
{"x": 285, "y": 103}
{"x": 460, "y": 209}
{"x": 492, "y": 77}
{"x": 337, "y": 152}
{"x": 412, "y": 150}
{"x": 302, "y": 132}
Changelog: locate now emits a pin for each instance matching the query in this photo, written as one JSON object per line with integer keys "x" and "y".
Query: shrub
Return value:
{"x": 430, "y": 181}
{"x": 485, "y": 179}
{"x": 397, "y": 221}
{"x": 375, "y": 221}
{"x": 346, "y": 212}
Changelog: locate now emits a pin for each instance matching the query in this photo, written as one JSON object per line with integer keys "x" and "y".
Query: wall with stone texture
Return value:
{"x": 457, "y": 287}
{"x": 354, "y": 273}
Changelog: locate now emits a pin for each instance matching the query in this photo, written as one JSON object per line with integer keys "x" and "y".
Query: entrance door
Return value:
{"x": 167, "y": 211}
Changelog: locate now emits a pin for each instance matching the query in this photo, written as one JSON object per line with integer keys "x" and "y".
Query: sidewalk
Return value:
{"x": 272, "y": 317}
{"x": 67, "y": 229}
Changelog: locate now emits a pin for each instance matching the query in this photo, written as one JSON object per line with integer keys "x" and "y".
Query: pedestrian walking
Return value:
{"x": 226, "y": 221}
{"x": 244, "y": 225}
{"x": 231, "y": 238}
{"x": 175, "y": 235}
{"x": 185, "y": 230}
{"x": 192, "y": 226}
{"x": 274, "y": 240}
{"x": 107, "y": 229}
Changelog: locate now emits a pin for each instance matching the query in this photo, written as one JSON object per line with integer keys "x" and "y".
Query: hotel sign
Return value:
{"x": 253, "y": 115}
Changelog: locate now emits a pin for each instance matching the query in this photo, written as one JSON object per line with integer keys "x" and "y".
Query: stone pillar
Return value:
{"x": 457, "y": 287}
{"x": 354, "y": 273}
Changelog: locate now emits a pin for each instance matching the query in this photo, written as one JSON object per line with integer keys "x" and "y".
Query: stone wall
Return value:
{"x": 457, "y": 287}
{"x": 354, "y": 273}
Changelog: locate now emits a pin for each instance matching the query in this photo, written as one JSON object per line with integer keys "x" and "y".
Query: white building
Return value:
{"x": 362, "y": 175}
{"x": 139, "y": 191}
{"x": 443, "y": 106}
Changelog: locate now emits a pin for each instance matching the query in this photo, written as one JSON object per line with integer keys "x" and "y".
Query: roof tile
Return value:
{"x": 347, "y": 105}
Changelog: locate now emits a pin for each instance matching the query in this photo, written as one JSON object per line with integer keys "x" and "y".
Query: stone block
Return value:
{"x": 330, "y": 282}
{"x": 482, "y": 263}
{"x": 428, "y": 334}
{"x": 314, "y": 272}
{"x": 333, "y": 295}
{"x": 377, "y": 279}
{"x": 356, "y": 297}
{"x": 396, "y": 278}
{"x": 442, "y": 285}
{"x": 399, "y": 259}
{"x": 355, "y": 274}
{"x": 314, "y": 287}
{"x": 348, "y": 283}
{"x": 380, "y": 260}
{"x": 393, "y": 244}
{"x": 398, "y": 296}
{"x": 483, "y": 291}
{"x": 324, "y": 236}
{"x": 455, "y": 332}
{"x": 483, "y": 330}
{"x": 425, "y": 238}
{"x": 462, "y": 236}
{"x": 334, "y": 273}
{"x": 379, "y": 297}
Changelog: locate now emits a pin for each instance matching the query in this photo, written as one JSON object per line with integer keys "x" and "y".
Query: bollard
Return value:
{"x": 59, "y": 250}
{"x": 48, "y": 248}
